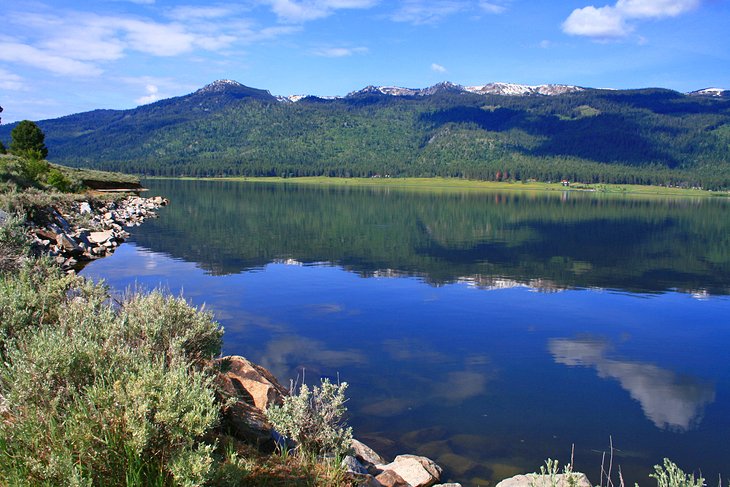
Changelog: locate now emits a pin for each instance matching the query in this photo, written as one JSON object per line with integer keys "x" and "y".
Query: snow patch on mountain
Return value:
{"x": 514, "y": 89}
{"x": 720, "y": 92}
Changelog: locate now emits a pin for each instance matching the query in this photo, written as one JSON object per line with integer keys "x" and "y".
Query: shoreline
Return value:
{"x": 439, "y": 184}
{"x": 88, "y": 229}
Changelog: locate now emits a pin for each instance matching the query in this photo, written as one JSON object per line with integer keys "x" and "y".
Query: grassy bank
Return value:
{"x": 453, "y": 184}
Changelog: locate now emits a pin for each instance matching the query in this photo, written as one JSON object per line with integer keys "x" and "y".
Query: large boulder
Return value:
{"x": 537, "y": 480}
{"x": 246, "y": 390}
{"x": 416, "y": 471}
{"x": 390, "y": 478}
{"x": 249, "y": 424}
{"x": 250, "y": 383}
{"x": 366, "y": 454}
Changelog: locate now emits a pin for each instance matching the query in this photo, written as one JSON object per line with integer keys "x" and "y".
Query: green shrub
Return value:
{"x": 163, "y": 325}
{"x": 33, "y": 167}
{"x": 58, "y": 180}
{"x": 98, "y": 394}
{"x": 314, "y": 419}
{"x": 13, "y": 243}
{"x": 670, "y": 475}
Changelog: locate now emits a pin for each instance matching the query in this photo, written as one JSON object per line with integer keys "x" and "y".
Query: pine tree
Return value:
{"x": 28, "y": 139}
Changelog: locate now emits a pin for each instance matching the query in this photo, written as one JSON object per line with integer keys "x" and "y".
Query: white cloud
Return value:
{"x": 492, "y": 7}
{"x": 427, "y": 12}
{"x": 596, "y": 22}
{"x": 613, "y": 21}
{"x": 151, "y": 96}
{"x": 191, "y": 13}
{"x": 438, "y": 68}
{"x": 24, "y": 54}
{"x": 638, "y": 9}
{"x": 302, "y": 11}
{"x": 339, "y": 51}
{"x": 545, "y": 44}
{"x": 80, "y": 44}
{"x": 10, "y": 81}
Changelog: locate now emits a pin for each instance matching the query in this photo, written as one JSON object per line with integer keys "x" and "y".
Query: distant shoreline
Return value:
{"x": 455, "y": 184}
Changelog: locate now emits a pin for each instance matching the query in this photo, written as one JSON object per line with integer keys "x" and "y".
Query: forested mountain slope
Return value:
{"x": 630, "y": 136}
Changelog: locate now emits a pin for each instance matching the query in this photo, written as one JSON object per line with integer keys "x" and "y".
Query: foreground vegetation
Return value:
{"x": 102, "y": 391}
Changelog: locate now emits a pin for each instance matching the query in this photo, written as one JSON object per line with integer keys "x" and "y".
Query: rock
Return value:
{"x": 250, "y": 383}
{"x": 3, "y": 217}
{"x": 61, "y": 221}
{"x": 100, "y": 237}
{"x": 68, "y": 244}
{"x": 389, "y": 478}
{"x": 450, "y": 484}
{"x": 44, "y": 234}
{"x": 85, "y": 208}
{"x": 416, "y": 471}
{"x": 537, "y": 480}
{"x": 366, "y": 454}
{"x": 248, "y": 423}
{"x": 353, "y": 467}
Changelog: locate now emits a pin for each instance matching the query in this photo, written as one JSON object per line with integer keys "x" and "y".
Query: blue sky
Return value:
{"x": 66, "y": 56}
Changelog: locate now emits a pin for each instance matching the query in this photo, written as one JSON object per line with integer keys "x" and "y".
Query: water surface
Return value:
{"x": 487, "y": 331}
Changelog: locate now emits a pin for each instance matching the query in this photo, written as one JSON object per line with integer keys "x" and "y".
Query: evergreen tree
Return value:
{"x": 27, "y": 139}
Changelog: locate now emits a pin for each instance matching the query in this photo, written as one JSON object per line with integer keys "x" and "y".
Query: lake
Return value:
{"x": 485, "y": 330}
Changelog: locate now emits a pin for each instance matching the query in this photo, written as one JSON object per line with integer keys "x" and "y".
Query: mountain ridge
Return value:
{"x": 494, "y": 131}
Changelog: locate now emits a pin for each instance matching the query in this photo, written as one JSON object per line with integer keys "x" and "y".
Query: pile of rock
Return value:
{"x": 90, "y": 230}
{"x": 247, "y": 390}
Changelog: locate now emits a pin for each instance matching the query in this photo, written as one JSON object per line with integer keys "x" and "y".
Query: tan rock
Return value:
{"x": 416, "y": 471}
{"x": 100, "y": 237}
{"x": 250, "y": 383}
{"x": 537, "y": 480}
{"x": 389, "y": 478}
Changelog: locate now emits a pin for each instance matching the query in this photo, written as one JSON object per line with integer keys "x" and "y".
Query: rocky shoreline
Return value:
{"x": 91, "y": 229}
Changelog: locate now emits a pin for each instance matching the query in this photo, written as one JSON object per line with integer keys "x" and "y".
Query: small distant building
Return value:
{"x": 565, "y": 182}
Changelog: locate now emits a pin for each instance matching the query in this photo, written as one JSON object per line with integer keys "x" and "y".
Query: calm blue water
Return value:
{"x": 486, "y": 331}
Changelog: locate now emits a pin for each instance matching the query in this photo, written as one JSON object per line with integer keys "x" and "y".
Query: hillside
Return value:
{"x": 653, "y": 136}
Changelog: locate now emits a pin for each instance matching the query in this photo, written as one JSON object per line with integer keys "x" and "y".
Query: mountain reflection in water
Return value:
{"x": 423, "y": 302}
{"x": 546, "y": 241}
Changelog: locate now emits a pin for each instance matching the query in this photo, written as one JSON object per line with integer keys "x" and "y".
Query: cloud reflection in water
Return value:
{"x": 669, "y": 400}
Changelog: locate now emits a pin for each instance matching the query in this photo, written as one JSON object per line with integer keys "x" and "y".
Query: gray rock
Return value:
{"x": 61, "y": 221}
{"x": 68, "y": 244}
{"x": 450, "y": 484}
{"x": 537, "y": 480}
{"x": 365, "y": 453}
{"x": 3, "y": 217}
{"x": 353, "y": 466}
{"x": 85, "y": 208}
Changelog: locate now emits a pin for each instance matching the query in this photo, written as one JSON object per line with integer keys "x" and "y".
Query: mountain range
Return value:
{"x": 492, "y": 131}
